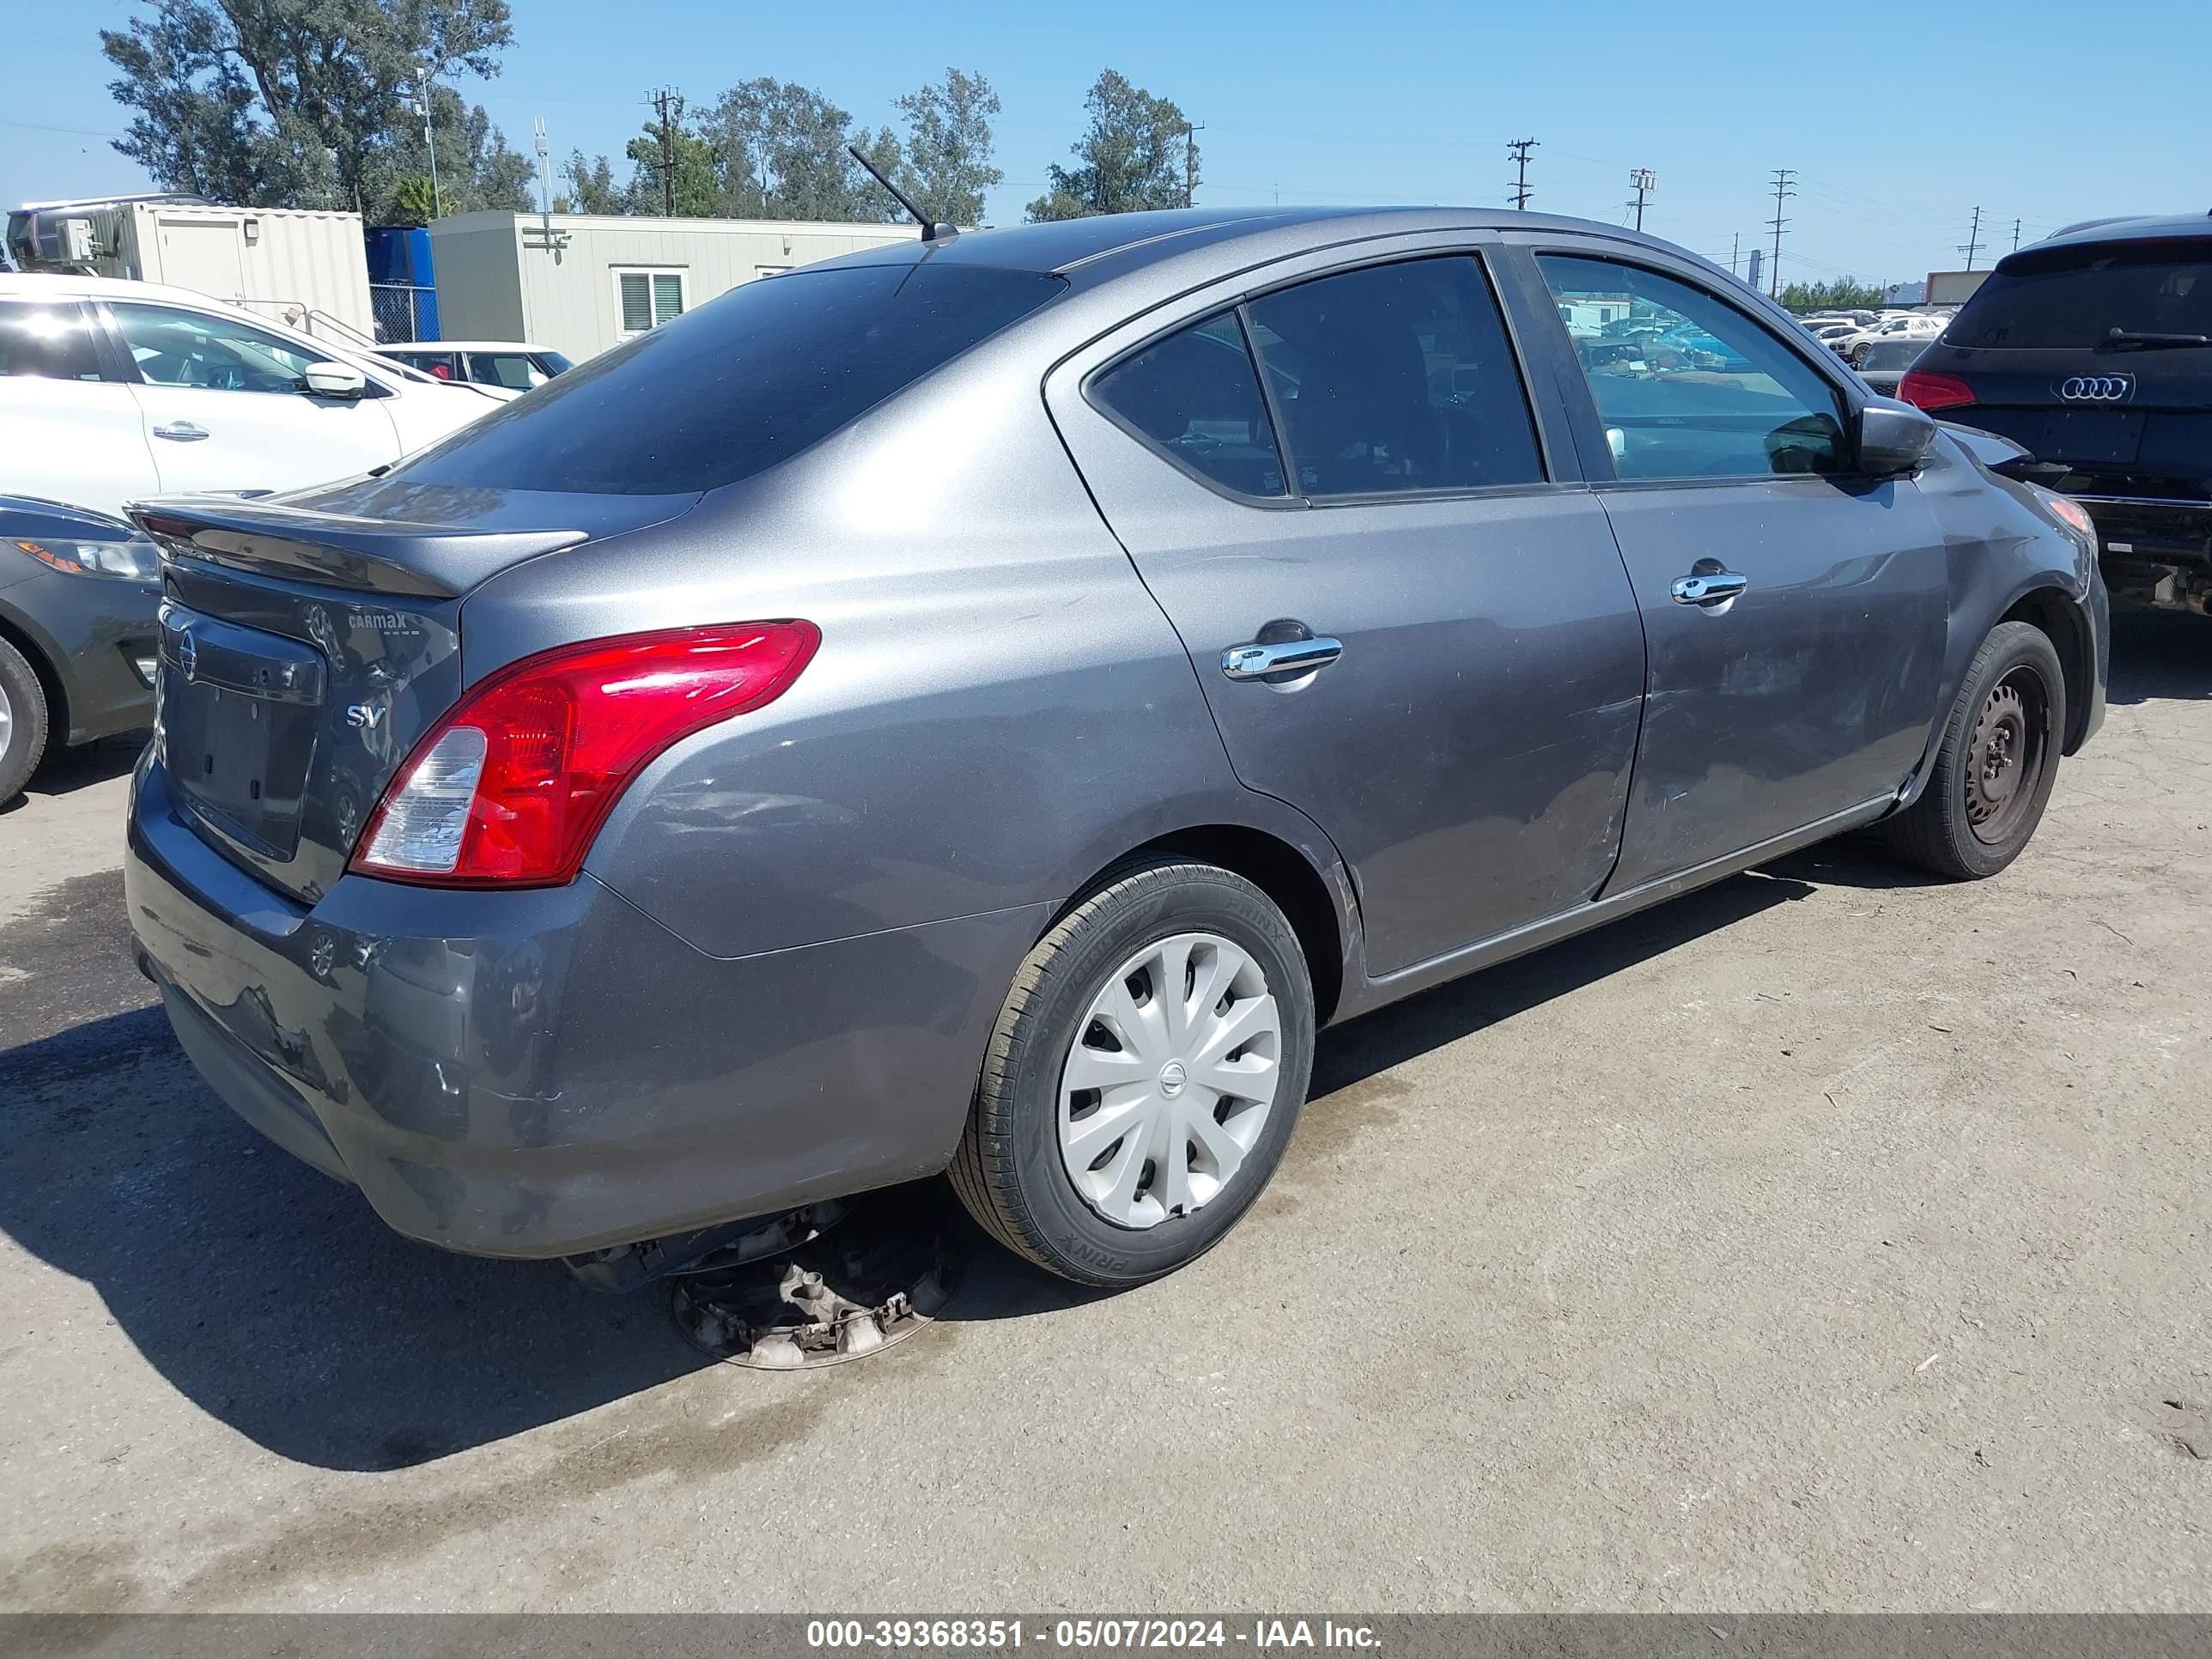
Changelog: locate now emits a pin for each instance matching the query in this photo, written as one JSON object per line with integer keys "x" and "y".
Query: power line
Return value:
{"x": 1190, "y": 162}
{"x": 1781, "y": 192}
{"x": 1973, "y": 245}
{"x": 1518, "y": 150}
{"x": 1644, "y": 181}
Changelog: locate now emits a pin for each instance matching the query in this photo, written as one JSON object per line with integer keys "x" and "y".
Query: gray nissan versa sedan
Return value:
{"x": 984, "y": 703}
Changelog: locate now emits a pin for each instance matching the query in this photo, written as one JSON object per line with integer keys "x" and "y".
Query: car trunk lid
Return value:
{"x": 307, "y": 644}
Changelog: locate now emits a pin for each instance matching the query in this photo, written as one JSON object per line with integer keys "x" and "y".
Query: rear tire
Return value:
{"x": 23, "y": 722}
{"x": 1993, "y": 770}
{"x": 1189, "y": 1159}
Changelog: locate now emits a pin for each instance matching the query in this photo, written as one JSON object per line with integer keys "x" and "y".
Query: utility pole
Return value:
{"x": 1518, "y": 151}
{"x": 1643, "y": 181}
{"x": 429, "y": 137}
{"x": 1782, "y": 178}
{"x": 667, "y": 110}
{"x": 1973, "y": 245}
{"x": 1735, "y": 247}
{"x": 1190, "y": 162}
{"x": 2015, "y": 236}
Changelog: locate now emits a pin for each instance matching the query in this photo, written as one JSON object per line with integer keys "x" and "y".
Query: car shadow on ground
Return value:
{"x": 73, "y": 769}
{"x": 275, "y": 1300}
{"x": 2159, "y": 656}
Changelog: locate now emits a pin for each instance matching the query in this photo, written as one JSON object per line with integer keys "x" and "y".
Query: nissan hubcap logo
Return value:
{"x": 188, "y": 655}
{"x": 1173, "y": 1076}
{"x": 2096, "y": 388}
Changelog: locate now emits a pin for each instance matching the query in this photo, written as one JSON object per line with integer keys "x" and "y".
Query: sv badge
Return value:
{"x": 364, "y": 716}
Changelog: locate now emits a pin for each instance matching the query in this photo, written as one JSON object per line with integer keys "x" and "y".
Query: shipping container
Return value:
{"x": 577, "y": 283}
{"x": 300, "y": 266}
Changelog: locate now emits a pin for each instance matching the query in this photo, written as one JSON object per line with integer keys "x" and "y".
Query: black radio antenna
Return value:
{"x": 931, "y": 230}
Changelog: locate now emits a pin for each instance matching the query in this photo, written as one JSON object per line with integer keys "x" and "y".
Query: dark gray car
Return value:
{"x": 77, "y": 598}
{"x": 984, "y": 703}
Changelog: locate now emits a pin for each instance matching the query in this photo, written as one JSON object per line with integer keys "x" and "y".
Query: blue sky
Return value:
{"x": 2032, "y": 110}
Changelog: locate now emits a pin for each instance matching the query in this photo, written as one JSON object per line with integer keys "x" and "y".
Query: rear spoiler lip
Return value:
{"x": 375, "y": 555}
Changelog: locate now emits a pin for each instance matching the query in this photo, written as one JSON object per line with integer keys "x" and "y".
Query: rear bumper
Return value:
{"x": 2154, "y": 552}
{"x": 546, "y": 1073}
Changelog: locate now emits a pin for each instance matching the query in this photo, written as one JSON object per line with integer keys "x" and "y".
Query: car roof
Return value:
{"x": 459, "y": 345}
{"x": 2148, "y": 227}
{"x": 1104, "y": 246}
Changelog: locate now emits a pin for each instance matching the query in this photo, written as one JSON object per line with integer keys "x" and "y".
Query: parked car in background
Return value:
{"x": 2093, "y": 351}
{"x": 1829, "y": 333}
{"x": 77, "y": 634}
{"x": 992, "y": 733}
{"x": 504, "y": 366}
{"x": 1911, "y": 325}
{"x": 112, "y": 390}
{"x": 1882, "y": 362}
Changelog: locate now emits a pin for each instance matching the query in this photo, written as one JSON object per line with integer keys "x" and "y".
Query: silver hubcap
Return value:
{"x": 6, "y": 723}
{"x": 1171, "y": 1081}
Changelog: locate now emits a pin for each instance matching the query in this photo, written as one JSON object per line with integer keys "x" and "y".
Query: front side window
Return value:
{"x": 46, "y": 342}
{"x": 1196, "y": 397}
{"x": 1697, "y": 390}
{"x": 507, "y": 369}
{"x": 1395, "y": 378}
{"x": 438, "y": 363}
{"x": 209, "y": 354}
{"x": 647, "y": 298}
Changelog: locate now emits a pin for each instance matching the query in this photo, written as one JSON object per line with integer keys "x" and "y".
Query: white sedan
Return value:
{"x": 112, "y": 391}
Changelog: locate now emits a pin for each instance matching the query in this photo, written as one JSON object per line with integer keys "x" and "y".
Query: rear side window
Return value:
{"x": 1196, "y": 397}
{"x": 2070, "y": 298}
{"x": 509, "y": 368}
{"x": 741, "y": 383}
{"x": 1396, "y": 378}
{"x": 46, "y": 342}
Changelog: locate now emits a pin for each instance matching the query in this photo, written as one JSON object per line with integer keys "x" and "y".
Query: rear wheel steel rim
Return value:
{"x": 2006, "y": 757}
{"x": 1169, "y": 1081}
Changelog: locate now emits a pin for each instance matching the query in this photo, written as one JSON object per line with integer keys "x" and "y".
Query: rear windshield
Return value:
{"x": 2075, "y": 297}
{"x": 741, "y": 383}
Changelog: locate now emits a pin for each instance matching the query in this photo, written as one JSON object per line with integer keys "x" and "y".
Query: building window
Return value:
{"x": 647, "y": 298}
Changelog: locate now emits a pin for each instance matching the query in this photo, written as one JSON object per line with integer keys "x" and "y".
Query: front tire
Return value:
{"x": 23, "y": 722}
{"x": 1996, "y": 766}
{"x": 1143, "y": 1079}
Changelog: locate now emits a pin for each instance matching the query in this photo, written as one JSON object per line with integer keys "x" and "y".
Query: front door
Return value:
{"x": 1402, "y": 625}
{"x": 1795, "y": 613}
{"x": 224, "y": 407}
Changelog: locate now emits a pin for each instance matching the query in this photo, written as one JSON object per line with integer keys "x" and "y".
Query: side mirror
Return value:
{"x": 336, "y": 381}
{"x": 1894, "y": 438}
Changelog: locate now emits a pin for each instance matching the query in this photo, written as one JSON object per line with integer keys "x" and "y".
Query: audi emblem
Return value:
{"x": 2096, "y": 388}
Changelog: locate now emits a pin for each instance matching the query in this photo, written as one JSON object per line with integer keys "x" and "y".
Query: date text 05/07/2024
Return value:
{"x": 988, "y": 1635}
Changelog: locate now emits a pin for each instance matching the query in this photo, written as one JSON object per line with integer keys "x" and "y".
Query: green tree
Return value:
{"x": 780, "y": 153}
{"x": 414, "y": 201}
{"x": 592, "y": 187}
{"x": 1844, "y": 293}
{"x": 1134, "y": 157}
{"x": 948, "y": 146}
{"x": 302, "y": 103}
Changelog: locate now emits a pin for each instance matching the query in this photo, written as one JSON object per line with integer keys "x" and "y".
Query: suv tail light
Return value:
{"x": 1934, "y": 392}
{"x": 509, "y": 788}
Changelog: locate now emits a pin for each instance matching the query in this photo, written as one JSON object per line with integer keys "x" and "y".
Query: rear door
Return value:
{"x": 1795, "y": 612}
{"x": 224, "y": 406}
{"x": 1407, "y": 624}
{"x": 69, "y": 426}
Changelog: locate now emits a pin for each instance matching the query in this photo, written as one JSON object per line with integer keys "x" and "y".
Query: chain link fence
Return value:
{"x": 399, "y": 309}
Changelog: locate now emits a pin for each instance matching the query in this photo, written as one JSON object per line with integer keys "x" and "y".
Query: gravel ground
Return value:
{"x": 1824, "y": 1240}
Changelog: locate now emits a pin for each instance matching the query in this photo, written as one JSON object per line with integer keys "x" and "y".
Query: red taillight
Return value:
{"x": 509, "y": 788}
{"x": 1934, "y": 391}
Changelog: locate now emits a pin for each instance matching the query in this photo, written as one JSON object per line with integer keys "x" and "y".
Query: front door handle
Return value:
{"x": 1710, "y": 587}
{"x": 1258, "y": 660}
{"x": 181, "y": 432}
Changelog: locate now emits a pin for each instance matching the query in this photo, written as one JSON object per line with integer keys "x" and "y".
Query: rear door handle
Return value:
{"x": 181, "y": 432}
{"x": 1708, "y": 587}
{"x": 1256, "y": 660}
